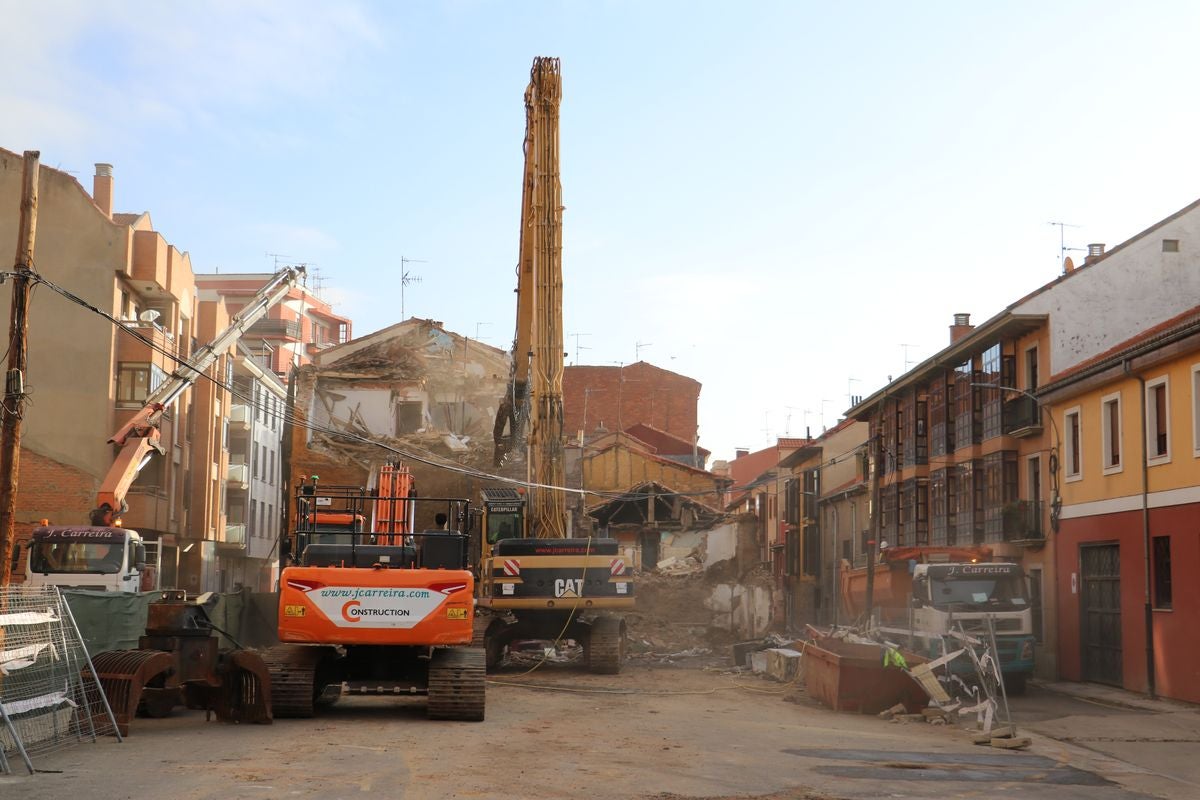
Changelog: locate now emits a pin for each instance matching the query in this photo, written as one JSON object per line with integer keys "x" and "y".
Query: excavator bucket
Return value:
{"x": 244, "y": 690}
{"x": 124, "y": 674}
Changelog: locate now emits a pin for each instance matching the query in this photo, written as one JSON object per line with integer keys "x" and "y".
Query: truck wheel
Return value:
{"x": 457, "y": 684}
{"x": 606, "y": 645}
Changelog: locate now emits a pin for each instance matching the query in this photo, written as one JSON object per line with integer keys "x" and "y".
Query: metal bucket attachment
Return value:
{"x": 244, "y": 691}
{"x": 124, "y": 674}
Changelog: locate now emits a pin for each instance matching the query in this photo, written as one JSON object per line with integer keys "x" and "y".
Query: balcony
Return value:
{"x": 1022, "y": 522}
{"x": 238, "y": 476}
{"x": 240, "y": 417}
{"x": 235, "y": 537}
{"x": 273, "y": 329}
{"x": 1022, "y": 417}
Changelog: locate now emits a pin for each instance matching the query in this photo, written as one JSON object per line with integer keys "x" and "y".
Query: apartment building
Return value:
{"x": 293, "y": 331}
{"x": 1130, "y": 529}
{"x": 248, "y": 553}
{"x": 88, "y": 376}
{"x": 962, "y": 453}
{"x": 826, "y": 514}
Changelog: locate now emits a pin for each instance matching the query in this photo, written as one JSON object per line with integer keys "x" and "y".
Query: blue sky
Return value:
{"x": 778, "y": 197}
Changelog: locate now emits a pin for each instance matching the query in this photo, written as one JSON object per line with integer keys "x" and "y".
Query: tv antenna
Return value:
{"x": 787, "y": 421}
{"x": 1062, "y": 243}
{"x": 850, "y": 396}
{"x": 579, "y": 346}
{"x": 906, "y": 361}
{"x": 637, "y": 349}
{"x": 407, "y": 278}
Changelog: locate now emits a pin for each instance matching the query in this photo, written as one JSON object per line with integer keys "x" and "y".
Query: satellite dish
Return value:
{"x": 149, "y": 315}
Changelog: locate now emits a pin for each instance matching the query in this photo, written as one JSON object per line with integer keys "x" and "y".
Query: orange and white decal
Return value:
{"x": 377, "y": 607}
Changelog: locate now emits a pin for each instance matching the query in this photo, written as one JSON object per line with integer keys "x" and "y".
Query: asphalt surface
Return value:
{"x": 647, "y": 733}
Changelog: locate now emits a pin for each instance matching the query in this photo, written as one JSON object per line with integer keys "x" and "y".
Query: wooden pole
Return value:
{"x": 14, "y": 384}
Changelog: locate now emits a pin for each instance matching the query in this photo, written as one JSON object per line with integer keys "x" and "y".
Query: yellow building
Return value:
{"x": 1130, "y": 521}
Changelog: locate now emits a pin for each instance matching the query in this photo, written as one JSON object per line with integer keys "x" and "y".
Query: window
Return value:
{"x": 1158, "y": 420}
{"x": 1072, "y": 447}
{"x": 253, "y": 529}
{"x": 1162, "y": 571}
{"x": 1110, "y": 421}
{"x": 136, "y": 381}
{"x": 409, "y": 416}
{"x": 1170, "y": 245}
{"x": 1196, "y": 410}
{"x": 1031, "y": 369}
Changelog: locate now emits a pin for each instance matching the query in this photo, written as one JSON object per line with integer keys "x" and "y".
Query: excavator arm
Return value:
{"x": 139, "y": 437}
{"x": 531, "y": 410}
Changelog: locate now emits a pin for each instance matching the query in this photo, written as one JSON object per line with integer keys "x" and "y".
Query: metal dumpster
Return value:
{"x": 851, "y": 677}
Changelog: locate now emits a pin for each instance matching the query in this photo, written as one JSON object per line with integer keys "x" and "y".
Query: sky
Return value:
{"x": 787, "y": 201}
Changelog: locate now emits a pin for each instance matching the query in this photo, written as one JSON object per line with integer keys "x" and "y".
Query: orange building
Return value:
{"x": 293, "y": 331}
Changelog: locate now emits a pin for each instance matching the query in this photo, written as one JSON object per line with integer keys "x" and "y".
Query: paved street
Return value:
{"x": 651, "y": 732}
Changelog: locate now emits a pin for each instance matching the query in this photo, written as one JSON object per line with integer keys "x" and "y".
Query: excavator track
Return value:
{"x": 457, "y": 684}
{"x": 606, "y": 646}
{"x": 293, "y": 671}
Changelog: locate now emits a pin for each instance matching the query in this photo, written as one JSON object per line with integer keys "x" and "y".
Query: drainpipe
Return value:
{"x": 1149, "y": 609}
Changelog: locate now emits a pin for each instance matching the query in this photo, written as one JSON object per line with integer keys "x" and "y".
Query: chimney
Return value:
{"x": 102, "y": 188}
{"x": 961, "y": 327}
{"x": 1095, "y": 252}
{"x": 740, "y": 452}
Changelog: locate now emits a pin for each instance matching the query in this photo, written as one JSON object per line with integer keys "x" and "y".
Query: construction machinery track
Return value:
{"x": 457, "y": 684}
{"x": 295, "y": 671}
{"x": 606, "y": 645}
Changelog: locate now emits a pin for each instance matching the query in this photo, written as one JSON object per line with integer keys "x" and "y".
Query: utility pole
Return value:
{"x": 14, "y": 383}
{"x": 873, "y": 541}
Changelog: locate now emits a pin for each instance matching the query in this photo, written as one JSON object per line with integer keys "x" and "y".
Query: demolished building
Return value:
{"x": 410, "y": 389}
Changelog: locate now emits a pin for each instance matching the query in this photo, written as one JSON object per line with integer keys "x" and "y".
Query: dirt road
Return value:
{"x": 651, "y": 732}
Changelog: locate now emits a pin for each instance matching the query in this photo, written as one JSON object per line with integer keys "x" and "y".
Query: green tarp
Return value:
{"x": 116, "y": 620}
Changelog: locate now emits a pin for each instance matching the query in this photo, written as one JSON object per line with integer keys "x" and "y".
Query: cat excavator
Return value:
{"x": 535, "y": 580}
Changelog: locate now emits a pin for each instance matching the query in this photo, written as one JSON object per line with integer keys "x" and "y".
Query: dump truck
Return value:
{"x": 925, "y": 593}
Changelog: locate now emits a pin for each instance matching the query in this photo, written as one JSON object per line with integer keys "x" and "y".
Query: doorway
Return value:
{"x": 1100, "y": 640}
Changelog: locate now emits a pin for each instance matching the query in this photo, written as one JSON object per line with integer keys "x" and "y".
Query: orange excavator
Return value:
{"x": 372, "y": 604}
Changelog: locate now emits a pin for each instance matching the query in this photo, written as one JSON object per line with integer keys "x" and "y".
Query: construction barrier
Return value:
{"x": 50, "y": 697}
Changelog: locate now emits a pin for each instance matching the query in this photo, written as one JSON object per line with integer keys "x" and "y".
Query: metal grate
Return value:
{"x": 49, "y": 696}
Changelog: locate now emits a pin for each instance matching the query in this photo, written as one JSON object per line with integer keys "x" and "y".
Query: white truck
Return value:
{"x": 84, "y": 557}
{"x": 945, "y": 596}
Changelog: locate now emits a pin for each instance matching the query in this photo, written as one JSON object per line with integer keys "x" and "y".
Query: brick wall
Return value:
{"x": 619, "y": 397}
{"x": 47, "y": 489}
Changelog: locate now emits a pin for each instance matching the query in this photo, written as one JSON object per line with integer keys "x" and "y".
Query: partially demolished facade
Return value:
{"x": 411, "y": 388}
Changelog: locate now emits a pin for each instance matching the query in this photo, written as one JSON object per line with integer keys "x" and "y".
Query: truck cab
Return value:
{"x": 83, "y": 557}
{"x": 947, "y": 595}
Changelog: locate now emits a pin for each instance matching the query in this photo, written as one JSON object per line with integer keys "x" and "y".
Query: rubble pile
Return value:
{"x": 673, "y": 623}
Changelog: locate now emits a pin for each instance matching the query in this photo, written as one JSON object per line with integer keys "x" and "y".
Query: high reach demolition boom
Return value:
{"x": 139, "y": 437}
{"x": 534, "y": 401}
